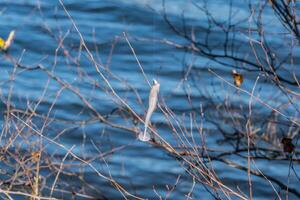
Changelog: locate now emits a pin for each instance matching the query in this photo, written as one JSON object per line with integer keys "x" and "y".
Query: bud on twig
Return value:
{"x": 4, "y": 45}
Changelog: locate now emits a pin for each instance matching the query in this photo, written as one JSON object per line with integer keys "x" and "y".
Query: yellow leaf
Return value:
{"x": 2, "y": 43}
{"x": 238, "y": 78}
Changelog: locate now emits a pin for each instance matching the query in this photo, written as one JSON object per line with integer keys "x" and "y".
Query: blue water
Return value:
{"x": 142, "y": 169}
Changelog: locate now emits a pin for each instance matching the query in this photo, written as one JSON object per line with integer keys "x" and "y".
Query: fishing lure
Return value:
{"x": 5, "y": 44}
{"x": 153, "y": 96}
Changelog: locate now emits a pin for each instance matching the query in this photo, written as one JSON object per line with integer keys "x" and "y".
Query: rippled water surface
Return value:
{"x": 144, "y": 170}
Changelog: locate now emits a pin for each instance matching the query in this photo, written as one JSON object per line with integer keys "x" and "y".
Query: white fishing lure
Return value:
{"x": 153, "y": 96}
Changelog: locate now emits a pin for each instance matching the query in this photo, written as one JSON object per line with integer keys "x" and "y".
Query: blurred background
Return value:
{"x": 74, "y": 94}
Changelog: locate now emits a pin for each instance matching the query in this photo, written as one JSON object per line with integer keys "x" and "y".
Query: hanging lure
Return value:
{"x": 153, "y": 96}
